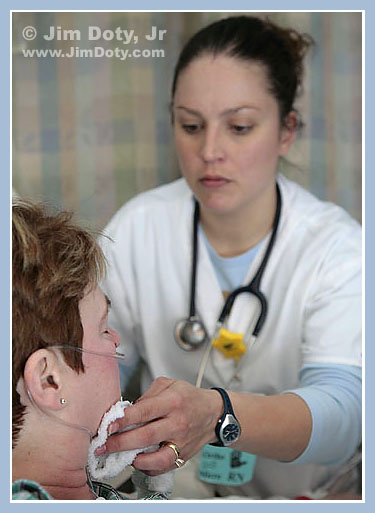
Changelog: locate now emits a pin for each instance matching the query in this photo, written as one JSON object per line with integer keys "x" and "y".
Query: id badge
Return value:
{"x": 226, "y": 466}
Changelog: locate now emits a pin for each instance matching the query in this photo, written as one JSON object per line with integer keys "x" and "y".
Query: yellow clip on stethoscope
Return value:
{"x": 191, "y": 333}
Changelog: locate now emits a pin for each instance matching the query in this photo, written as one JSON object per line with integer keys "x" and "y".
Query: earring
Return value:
{"x": 62, "y": 401}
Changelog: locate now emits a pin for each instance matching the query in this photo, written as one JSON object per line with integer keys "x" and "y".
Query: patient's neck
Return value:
{"x": 55, "y": 459}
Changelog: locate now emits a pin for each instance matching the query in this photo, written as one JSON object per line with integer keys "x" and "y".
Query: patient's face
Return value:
{"x": 99, "y": 385}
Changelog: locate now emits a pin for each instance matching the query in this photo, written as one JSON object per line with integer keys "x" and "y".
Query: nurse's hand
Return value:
{"x": 173, "y": 411}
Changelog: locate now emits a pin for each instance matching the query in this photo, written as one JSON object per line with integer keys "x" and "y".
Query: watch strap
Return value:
{"x": 227, "y": 409}
{"x": 227, "y": 404}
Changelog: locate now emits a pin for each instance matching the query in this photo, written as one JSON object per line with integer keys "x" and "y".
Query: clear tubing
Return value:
{"x": 56, "y": 419}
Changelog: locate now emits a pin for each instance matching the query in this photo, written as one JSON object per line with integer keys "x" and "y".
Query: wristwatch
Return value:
{"x": 228, "y": 429}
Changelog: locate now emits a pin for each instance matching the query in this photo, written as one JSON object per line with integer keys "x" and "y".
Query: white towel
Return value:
{"x": 109, "y": 465}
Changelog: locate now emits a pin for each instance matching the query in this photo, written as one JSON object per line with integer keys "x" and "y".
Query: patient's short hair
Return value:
{"x": 55, "y": 263}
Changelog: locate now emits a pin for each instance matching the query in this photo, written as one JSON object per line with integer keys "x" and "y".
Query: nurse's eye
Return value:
{"x": 191, "y": 128}
{"x": 241, "y": 129}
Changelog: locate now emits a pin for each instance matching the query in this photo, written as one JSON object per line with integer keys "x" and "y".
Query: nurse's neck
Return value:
{"x": 235, "y": 231}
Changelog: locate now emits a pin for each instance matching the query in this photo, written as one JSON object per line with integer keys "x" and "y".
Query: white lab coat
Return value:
{"x": 312, "y": 283}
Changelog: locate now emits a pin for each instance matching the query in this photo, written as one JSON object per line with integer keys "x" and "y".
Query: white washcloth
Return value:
{"x": 109, "y": 465}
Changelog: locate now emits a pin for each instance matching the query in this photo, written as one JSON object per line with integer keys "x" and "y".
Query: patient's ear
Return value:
{"x": 42, "y": 376}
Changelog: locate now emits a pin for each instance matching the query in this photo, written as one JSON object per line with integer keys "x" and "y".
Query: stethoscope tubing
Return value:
{"x": 194, "y": 263}
{"x": 253, "y": 287}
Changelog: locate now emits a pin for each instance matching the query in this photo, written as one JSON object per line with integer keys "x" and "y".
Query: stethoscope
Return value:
{"x": 191, "y": 333}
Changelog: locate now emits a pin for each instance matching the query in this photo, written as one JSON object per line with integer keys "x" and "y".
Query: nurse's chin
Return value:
{"x": 220, "y": 204}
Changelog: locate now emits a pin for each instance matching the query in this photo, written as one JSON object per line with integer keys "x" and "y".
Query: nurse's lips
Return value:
{"x": 213, "y": 181}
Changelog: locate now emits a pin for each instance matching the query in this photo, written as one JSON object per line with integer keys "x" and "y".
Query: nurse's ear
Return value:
{"x": 42, "y": 377}
{"x": 288, "y": 131}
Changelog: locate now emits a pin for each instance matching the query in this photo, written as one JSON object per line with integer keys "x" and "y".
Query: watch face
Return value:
{"x": 231, "y": 432}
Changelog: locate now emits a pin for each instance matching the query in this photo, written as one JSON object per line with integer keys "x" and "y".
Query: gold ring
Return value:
{"x": 179, "y": 462}
{"x": 173, "y": 446}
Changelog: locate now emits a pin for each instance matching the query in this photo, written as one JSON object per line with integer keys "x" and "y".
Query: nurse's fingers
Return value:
{"x": 157, "y": 462}
{"x": 149, "y": 408}
{"x": 141, "y": 413}
{"x": 156, "y": 387}
{"x": 147, "y": 435}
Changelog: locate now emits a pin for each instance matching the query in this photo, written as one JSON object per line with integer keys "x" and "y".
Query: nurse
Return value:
{"x": 286, "y": 419}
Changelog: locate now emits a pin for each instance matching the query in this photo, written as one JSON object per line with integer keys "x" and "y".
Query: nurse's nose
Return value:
{"x": 211, "y": 148}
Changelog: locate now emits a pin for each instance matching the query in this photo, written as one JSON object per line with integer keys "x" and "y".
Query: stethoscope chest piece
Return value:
{"x": 190, "y": 333}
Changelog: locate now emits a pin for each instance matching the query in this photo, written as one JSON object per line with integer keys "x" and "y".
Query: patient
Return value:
{"x": 65, "y": 372}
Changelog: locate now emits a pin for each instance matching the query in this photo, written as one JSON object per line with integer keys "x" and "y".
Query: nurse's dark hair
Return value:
{"x": 280, "y": 50}
{"x": 55, "y": 263}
